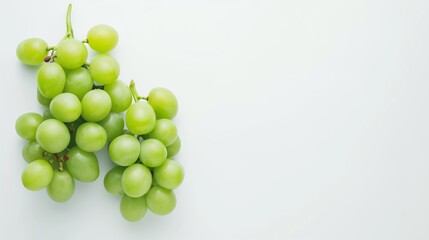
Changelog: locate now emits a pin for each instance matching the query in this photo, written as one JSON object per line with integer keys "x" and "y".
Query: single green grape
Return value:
{"x": 78, "y": 82}
{"x": 113, "y": 180}
{"x": 91, "y": 137}
{"x": 174, "y": 148}
{"x": 61, "y": 187}
{"x": 104, "y": 68}
{"x": 32, "y": 151}
{"x": 42, "y": 100}
{"x": 51, "y": 79}
{"x": 96, "y": 105}
{"x": 113, "y": 124}
{"x": 65, "y": 107}
{"x": 140, "y": 118}
{"x": 160, "y": 201}
{"x": 32, "y": 51}
{"x": 124, "y": 150}
{"x": 169, "y": 175}
{"x": 120, "y": 94}
{"x": 165, "y": 130}
{"x": 26, "y": 125}
{"x": 133, "y": 209}
{"x": 53, "y": 135}
{"x": 136, "y": 180}
{"x": 71, "y": 53}
{"x": 37, "y": 175}
{"x": 163, "y": 102}
{"x": 102, "y": 38}
{"x": 152, "y": 152}
{"x": 82, "y": 165}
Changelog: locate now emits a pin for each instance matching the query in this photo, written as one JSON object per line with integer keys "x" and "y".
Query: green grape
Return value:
{"x": 78, "y": 82}
{"x": 71, "y": 53}
{"x": 32, "y": 51}
{"x": 26, "y": 125}
{"x": 51, "y": 80}
{"x": 174, "y": 148}
{"x": 53, "y": 135}
{"x": 82, "y": 165}
{"x": 113, "y": 180}
{"x": 133, "y": 209}
{"x": 140, "y": 118}
{"x": 169, "y": 175}
{"x": 91, "y": 137}
{"x": 32, "y": 151}
{"x": 104, "y": 68}
{"x": 124, "y": 150}
{"x": 61, "y": 187}
{"x": 136, "y": 180}
{"x": 160, "y": 201}
{"x": 37, "y": 175}
{"x": 65, "y": 107}
{"x": 113, "y": 124}
{"x": 42, "y": 100}
{"x": 165, "y": 131}
{"x": 96, "y": 105}
{"x": 152, "y": 153}
{"x": 102, "y": 38}
{"x": 120, "y": 94}
{"x": 163, "y": 102}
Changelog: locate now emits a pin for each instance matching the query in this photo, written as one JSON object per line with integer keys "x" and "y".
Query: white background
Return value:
{"x": 299, "y": 119}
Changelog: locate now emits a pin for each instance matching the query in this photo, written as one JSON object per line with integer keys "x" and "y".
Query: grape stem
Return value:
{"x": 134, "y": 92}
{"x": 69, "y": 33}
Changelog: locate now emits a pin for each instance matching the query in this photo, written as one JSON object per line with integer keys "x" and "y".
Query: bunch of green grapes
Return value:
{"x": 87, "y": 107}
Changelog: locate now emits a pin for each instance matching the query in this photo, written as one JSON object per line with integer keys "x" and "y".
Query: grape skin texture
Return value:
{"x": 32, "y": 151}
{"x": 96, "y": 105}
{"x": 78, "y": 82}
{"x": 65, "y": 107}
{"x": 51, "y": 80}
{"x": 165, "y": 131}
{"x": 113, "y": 180}
{"x": 61, "y": 187}
{"x": 113, "y": 124}
{"x": 91, "y": 137}
{"x": 26, "y": 125}
{"x": 71, "y": 53}
{"x": 32, "y": 51}
{"x": 160, "y": 201}
{"x": 140, "y": 118}
{"x": 124, "y": 150}
{"x": 37, "y": 175}
{"x": 133, "y": 209}
{"x": 136, "y": 180}
{"x": 163, "y": 102}
{"x": 120, "y": 94}
{"x": 104, "y": 68}
{"x": 169, "y": 175}
{"x": 83, "y": 165}
{"x": 53, "y": 135}
{"x": 174, "y": 148}
{"x": 152, "y": 153}
{"x": 102, "y": 38}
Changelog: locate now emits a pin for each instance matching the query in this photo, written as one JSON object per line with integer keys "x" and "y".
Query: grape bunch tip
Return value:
{"x": 86, "y": 108}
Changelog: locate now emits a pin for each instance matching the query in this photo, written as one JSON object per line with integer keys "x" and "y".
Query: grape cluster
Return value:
{"x": 87, "y": 107}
